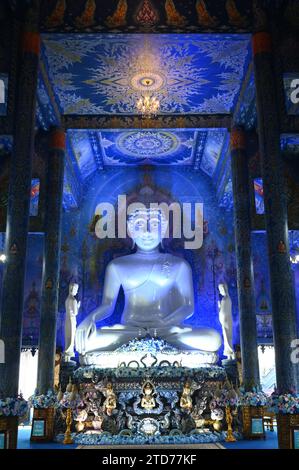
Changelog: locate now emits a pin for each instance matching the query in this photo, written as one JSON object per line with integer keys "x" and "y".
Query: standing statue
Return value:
{"x": 71, "y": 311}
{"x": 226, "y": 320}
{"x": 159, "y": 295}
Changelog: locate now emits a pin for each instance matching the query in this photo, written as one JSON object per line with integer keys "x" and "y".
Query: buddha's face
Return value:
{"x": 222, "y": 290}
{"x": 147, "y": 389}
{"x": 74, "y": 289}
{"x": 147, "y": 229}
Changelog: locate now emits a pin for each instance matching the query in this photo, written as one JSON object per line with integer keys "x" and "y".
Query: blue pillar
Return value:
{"x": 272, "y": 167}
{"x": 50, "y": 283}
{"x": 18, "y": 207}
{"x": 245, "y": 280}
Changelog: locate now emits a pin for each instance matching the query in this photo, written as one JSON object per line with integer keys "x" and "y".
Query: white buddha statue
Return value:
{"x": 226, "y": 320}
{"x": 71, "y": 311}
{"x": 159, "y": 296}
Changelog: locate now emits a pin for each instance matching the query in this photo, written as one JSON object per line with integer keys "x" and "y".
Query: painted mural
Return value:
{"x": 106, "y": 74}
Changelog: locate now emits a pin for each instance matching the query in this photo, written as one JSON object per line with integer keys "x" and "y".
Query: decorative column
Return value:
{"x": 282, "y": 288}
{"x": 50, "y": 283}
{"x": 18, "y": 206}
{"x": 246, "y": 297}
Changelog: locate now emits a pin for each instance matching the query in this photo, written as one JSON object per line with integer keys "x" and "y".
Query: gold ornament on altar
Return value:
{"x": 148, "y": 401}
{"x": 68, "y": 421}
{"x": 186, "y": 400}
{"x": 72, "y": 389}
{"x": 229, "y": 420}
{"x": 110, "y": 403}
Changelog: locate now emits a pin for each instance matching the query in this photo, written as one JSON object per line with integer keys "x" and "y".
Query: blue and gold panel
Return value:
{"x": 259, "y": 196}
{"x": 34, "y": 196}
{"x": 246, "y": 114}
{"x": 45, "y": 113}
{"x": 80, "y": 146}
{"x": 216, "y": 139}
{"x": 69, "y": 202}
{"x": 107, "y": 74}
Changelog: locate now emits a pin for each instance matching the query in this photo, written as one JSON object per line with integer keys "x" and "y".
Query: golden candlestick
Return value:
{"x": 68, "y": 420}
{"x": 229, "y": 419}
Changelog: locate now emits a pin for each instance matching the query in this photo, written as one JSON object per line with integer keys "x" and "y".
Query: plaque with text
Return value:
{"x": 38, "y": 428}
{"x": 257, "y": 426}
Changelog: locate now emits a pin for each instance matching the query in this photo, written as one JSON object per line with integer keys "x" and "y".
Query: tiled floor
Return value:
{"x": 269, "y": 443}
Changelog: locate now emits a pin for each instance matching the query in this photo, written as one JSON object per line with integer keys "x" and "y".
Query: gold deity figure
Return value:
{"x": 110, "y": 402}
{"x": 186, "y": 400}
{"x": 148, "y": 401}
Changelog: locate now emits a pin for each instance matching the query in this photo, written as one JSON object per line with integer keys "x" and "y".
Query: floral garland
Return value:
{"x": 217, "y": 414}
{"x": 223, "y": 398}
{"x": 13, "y": 406}
{"x": 71, "y": 400}
{"x": 95, "y": 374}
{"x": 286, "y": 403}
{"x": 49, "y": 400}
{"x": 254, "y": 398}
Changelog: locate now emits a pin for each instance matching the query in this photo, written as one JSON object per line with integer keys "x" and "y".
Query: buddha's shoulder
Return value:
{"x": 120, "y": 261}
{"x": 176, "y": 260}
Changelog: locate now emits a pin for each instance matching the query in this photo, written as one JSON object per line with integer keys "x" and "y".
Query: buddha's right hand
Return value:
{"x": 84, "y": 330}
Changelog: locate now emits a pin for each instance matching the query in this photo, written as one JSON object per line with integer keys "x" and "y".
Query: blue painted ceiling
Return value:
{"x": 206, "y": 150}
{"x": 106, "y": 73}
{"x": 92, "y": 150}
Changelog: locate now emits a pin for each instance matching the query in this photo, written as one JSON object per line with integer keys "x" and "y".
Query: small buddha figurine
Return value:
{"x": 110, "y": 402}
{"x": 186, "y": 400}
{"x": 148, "y": 401}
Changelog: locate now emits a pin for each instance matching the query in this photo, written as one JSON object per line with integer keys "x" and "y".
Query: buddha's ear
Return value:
{"x": 130, "y": 228}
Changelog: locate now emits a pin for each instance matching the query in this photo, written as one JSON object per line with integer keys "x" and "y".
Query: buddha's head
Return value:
{"x": 148, "y": 388}
{"x": 223, "y": 289}
{"x": 73, "y": 288}
{"x": 147, "y": 227}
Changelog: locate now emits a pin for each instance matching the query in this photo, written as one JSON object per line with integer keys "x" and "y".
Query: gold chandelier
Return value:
{"x": 148, "y": 105}
{"x": 147, "y": 80}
